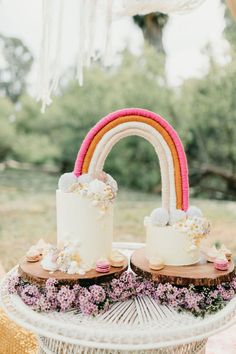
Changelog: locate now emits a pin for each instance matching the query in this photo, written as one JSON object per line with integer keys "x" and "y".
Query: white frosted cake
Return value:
{"x": 85, "y": 216}
{"x": 177, "y": 244}
{"x": 78, "y": 220}
{"x": 173, "y": 246}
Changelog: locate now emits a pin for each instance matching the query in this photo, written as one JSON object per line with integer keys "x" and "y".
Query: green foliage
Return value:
{"x": 230, "y": 29}
{"x": 208, "y": 111}
{"x": 17, "y": 63}
{"x": 7, "y": 128}
{"x": 203, "y": 111}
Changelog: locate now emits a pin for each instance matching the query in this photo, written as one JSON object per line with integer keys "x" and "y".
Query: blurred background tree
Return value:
{"x": 17, "y": 64}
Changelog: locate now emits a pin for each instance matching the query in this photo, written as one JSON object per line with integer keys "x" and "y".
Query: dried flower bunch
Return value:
{"x": 196, "y": 227}
{"x": 100, "y": 190}
{"x": 66, "y": 259}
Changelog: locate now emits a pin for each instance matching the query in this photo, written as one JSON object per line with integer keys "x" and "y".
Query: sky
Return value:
{"x": 184, "y": 38}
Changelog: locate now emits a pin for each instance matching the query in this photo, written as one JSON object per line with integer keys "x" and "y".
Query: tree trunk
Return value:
{"x": 152, "y": 26}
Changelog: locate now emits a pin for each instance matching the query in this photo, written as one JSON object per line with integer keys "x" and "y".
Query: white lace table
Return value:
{"x": 134, "y": 326}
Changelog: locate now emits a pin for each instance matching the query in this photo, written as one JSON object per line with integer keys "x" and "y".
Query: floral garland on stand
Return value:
{"x": 92, "y": 300}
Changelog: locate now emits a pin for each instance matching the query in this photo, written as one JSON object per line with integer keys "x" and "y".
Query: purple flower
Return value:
{"x": 160, "y": 291}
{"x": 12, "y": 283}
{"x": 233, "y": 283}
{"x": 30, "y": 295}
{"x": 77, "y": 288}
{"x": 65, "y": 297}
{"x": 44, "y": 304}
{"x": 214, "y": 294}
{"x": 51, "y": 282}
{"x": 98, "y": 293}
{"x": 88, "y": 307}
{"x": 192, "y": 301}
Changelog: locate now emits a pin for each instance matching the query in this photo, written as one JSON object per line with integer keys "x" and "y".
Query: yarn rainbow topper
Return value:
{"x": 155, "y": 129}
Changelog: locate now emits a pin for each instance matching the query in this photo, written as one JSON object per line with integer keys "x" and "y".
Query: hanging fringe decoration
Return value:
{"x": 44, "y": 77}
{"x": 143, "y": 7}
{"x": 80, "y": 54}
{"x": 95, "y": 17}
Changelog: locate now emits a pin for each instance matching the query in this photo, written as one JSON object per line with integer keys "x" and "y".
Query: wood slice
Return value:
{"x": 199, "y": 274}
{"x": 34, "y": 273}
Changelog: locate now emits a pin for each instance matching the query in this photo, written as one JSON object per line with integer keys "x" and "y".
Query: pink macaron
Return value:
{"x": 103, "y": 266}
{"x": 221, "y": 264}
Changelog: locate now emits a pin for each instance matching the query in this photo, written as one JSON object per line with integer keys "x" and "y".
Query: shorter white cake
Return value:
{"x": 175, "y": 237}
{"x": 174, "y": 247}
{"x": 78, "y": 220}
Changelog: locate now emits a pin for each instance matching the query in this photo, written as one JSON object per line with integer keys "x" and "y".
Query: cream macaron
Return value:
{"x": 117, "y": 259}
{"x": 33, "y": 255}
{"x": 226, "y": 251}
{"x": 156, "y": 263}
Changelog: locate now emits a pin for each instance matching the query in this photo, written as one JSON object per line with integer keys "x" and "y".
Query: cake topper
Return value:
{"x": 152, "y": 127}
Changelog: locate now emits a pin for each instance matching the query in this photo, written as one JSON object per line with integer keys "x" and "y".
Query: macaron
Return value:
{"x": 227, "y": 252}
{"x": 33, "y": 255}
{"x": 156, "y": 263}
{"x": 221, "y": 264}
{"x": 116, "y": 259}
{"x": 103, "y": 266}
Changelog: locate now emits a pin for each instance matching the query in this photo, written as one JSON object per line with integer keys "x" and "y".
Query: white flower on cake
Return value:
{"x": 74, "y": 268}
{"x": 66, "y": 259}
{"x": 101, "y": 191}
{"x": 176, "y": 216}
{"x": 66, "y": 180}
{"x": 159, "y": 217}
{"x": 112, "y": 183}
{"x": 49, "y": 260}
{"x": 197, "y": 228}
{"x": 97, "y": 187}
{"x": 85, "y": 178}
{"x": 194, "y": 211}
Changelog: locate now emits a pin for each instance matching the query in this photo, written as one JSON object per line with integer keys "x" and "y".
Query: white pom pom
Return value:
{"x": 194, "y": 211}
{"x": 85, "y": 178}
{"x": 97, "y": 186}
{"x": 177, "y": 215}
{"x": 159, "y": 217}
{"x": 112, "y": 182}
{"x": 66, "y": 180}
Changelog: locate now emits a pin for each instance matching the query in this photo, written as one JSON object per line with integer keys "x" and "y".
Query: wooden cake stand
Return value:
{"x": 34, "y": 273}
{"x": 199, "y": 274}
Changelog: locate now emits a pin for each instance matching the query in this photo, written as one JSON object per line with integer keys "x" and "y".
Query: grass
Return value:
{"x": 28, "y": 213}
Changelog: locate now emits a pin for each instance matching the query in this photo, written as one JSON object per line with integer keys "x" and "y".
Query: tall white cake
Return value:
{"x": 85, "y": 216}
{"x": 78, "y": 220}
